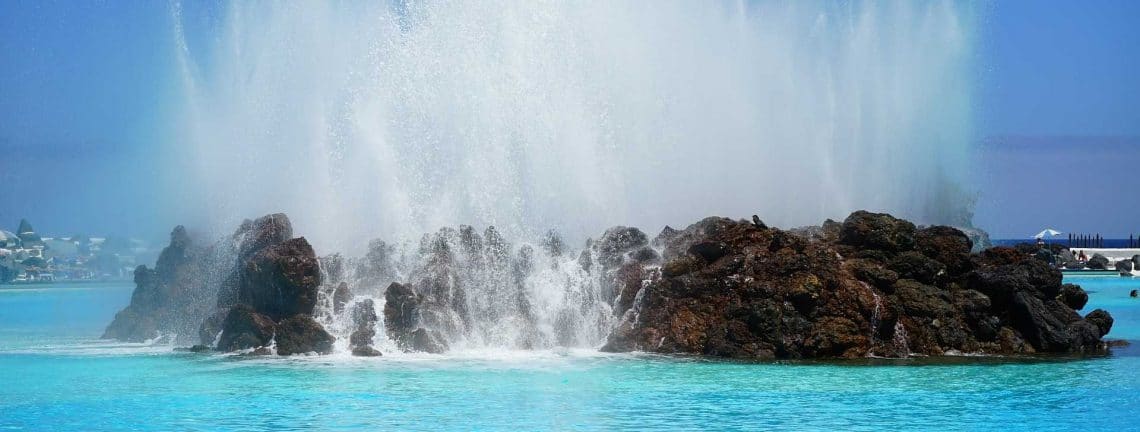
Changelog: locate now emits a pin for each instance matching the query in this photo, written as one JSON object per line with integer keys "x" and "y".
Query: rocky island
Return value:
{"x": 255, "y": 290}
{"x": 872, "y": 285}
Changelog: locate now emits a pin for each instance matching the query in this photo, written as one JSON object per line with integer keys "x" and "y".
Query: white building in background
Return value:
{"x": 9, "y": 240}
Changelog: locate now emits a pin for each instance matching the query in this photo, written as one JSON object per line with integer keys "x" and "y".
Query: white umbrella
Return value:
{"x": 1048, "y": 232}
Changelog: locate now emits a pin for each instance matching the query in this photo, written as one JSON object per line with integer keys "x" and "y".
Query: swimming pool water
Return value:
{"x": 56, "y": 375}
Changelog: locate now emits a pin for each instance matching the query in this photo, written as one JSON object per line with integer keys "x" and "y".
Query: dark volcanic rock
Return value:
{"x": 999, "y": 255}
{"x": 211, "y": 327}
{"x": 244, "y": 328}
{"x": 665, "y": 236}
{"x": 429, "y": 341}
{"x": 873, "y": 273}
{"x": 263, "y": 232}
{"x": 628, "y": 280}
{"x": 137, "y": 322}
{"x": 341, "y": 297}
{"x": 1098, "y": 262}
{"x": 1066, "y": 256}
{"x": 403, "y": 310}
{"x": 946, "y": 245}
{"x": 1001, "y": 282}
{"x": 879, "y": 287}
{"x": 171, "y": 299}
{"x": 878, "y": 231}
{"x": 1073, "y": 296}
{"x": 914, "y": 265}
{"x": 242, "y": 291}
{"x": 1045, "y": 256}
{"x": 1101, "y": 319}
{"x": 708, "y": 250}
{"x": 363, "y": 325}
{"x": 646, "y": 255}
{"x": 1124, "y": 266}
{"x": 302, "y": 334}
{"x": 1043, "y": 323}
{"x": 281, "y": 280}
{"x": 618, "y": 241}
{"x": 366, "y": 351}
{"x": 251, "y": 237}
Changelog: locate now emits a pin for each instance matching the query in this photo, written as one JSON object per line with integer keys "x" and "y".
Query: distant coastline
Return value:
{"x": 14, "y": 284}
{"x": 26, "y": 257}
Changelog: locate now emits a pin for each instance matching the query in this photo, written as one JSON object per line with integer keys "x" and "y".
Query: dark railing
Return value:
{"x": 1097, "y": 241}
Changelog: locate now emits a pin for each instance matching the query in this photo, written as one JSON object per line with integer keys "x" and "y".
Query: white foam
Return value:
{"x": 97, "y": 347}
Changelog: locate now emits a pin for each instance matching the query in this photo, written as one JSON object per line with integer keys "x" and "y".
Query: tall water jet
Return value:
{"x": 389, "y": 120}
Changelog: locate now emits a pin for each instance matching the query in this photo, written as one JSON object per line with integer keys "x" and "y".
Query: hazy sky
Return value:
{"x": 81, "y": 85}
{"x": 1059, "y": 113}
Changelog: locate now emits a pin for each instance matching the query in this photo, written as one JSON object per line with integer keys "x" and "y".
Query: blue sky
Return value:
{"x": 81, "y": 85}
{"x": 1059, "y": 114}
{"x": 1061, "y": 68}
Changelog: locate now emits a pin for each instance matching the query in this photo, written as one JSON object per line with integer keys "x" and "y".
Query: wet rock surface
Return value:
{"x": 301, "y": 334}
{"x": 429, "y": 341}
{"x": 363, "y": 329}
{"x": 245, "y": 329}
{"x": 256, "y": 287}
{"x": 880, "y": 286}
{"x": 402, "y": 311}
{"x": 616, "y": 242}
{"x": 341, "y": 297}
{"x": 281, "y": 280}
{"x": 170, "y": 299}
{"x": 872, "y": 285}
{"x": 460, "y": 285}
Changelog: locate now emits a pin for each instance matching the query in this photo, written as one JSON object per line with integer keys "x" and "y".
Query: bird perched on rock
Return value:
{"x": 756, "y": 221}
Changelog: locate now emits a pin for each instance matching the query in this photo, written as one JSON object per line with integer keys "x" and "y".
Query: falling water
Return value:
{"x": 483, "y": 291}
{"x": 901, "y": 345}
{"x": 876, "y": 317}
{"x": 897, "y": 346}
{"x": 392, "y": 119}
{"x": 876, "y": 313}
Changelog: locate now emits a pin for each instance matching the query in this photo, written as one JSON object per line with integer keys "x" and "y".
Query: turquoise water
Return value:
{"x": 55, "y": 375}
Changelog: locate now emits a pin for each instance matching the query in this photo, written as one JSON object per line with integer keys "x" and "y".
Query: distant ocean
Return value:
{"x": 1107, "y": 243}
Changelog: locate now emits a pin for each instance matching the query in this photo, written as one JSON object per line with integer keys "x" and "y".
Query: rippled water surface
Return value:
{"x": 56, "y": 375}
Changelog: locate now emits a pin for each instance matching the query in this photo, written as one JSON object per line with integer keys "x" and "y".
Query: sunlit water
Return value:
{"x": 55, "y": 375}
